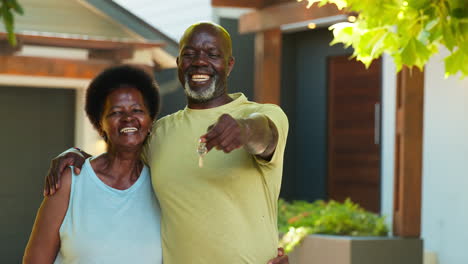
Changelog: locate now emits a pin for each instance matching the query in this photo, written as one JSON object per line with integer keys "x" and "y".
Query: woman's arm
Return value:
{"x": 44, "y": 241}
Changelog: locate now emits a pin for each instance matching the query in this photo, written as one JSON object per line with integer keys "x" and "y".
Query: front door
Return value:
{"x": 354, "y": 98}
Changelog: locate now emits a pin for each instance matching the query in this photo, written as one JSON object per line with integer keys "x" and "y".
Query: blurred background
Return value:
{"x": 344, "y": 134}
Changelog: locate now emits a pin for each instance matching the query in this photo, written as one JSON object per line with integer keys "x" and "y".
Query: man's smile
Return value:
{"x": 200, "y": 78}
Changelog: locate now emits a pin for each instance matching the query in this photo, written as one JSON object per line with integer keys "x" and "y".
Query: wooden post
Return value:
{"x": 268, "y": 66}
{"x": 408, "y": 153}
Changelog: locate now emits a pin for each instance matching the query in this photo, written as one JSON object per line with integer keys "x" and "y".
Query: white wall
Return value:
{"x": 86, "y": 137}
{"x": 445, "y": 160}
{"x": 170, "y": 17}
{"x": 445, "y": 165}
{"x": 388, "y": 135}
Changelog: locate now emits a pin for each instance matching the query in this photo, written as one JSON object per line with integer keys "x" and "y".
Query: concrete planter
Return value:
{"x": 328, "y": 249}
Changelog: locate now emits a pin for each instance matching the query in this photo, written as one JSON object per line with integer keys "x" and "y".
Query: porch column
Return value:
{"x": 408, "y": 153}
{"x": 267, "y": 75}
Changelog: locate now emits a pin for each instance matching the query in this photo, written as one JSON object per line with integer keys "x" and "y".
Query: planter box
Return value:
{"x": 328, "y": 249}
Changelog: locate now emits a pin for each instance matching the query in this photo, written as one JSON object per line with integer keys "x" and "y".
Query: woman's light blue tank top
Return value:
{"x": 106, "y": 225}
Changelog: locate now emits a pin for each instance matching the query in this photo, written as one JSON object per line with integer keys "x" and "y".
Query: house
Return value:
{"x": 421, "y": 155}
{"x": 62, "y": 45}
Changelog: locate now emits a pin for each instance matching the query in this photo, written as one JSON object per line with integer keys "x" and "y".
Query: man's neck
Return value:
{"x": 215, "y": 102}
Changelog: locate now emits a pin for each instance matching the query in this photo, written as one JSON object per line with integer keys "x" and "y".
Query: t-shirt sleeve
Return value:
{"x": 280, "y": 120}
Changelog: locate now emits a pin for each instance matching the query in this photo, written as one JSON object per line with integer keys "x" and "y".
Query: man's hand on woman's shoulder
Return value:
{"x": 72, "y": 157}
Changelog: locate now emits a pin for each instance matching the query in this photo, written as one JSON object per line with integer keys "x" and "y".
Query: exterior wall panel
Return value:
{"x": 171, "y": 17}
{"x": 70, "y": 17}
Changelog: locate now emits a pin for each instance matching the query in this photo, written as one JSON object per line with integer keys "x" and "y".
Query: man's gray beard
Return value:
{"x": 201, "y": 96}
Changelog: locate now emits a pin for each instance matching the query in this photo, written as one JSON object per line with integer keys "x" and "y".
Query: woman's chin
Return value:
{"x": 129, "y": 146}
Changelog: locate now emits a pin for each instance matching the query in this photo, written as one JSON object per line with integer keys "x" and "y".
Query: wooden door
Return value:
{"x": 354, "y": 97}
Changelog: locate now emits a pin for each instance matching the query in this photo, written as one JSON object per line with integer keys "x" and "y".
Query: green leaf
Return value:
{"x": 398, "y": 61}
{"x": 459, "y": 12}
{"x": 432, "y": 24}
{"x": 415, "y": 54}
{"x": 6, "y": 14}
{"x": 456, "y": 62}
{"x": 414, "y": 29}
{"x": 458, "y": 8}
{"x": 418, "y": 4}
{"x": 448, "y": 35}
{"x": 434, "y": 28}
{"x": 391, "y": 42}
{"x": 370, "y": 46}
{"x": 12, "y": 38}
{"x": 463, "y": 45}
{"x": 17, "y": 7}
{"x": 424, "y": 52}
{"x": 343, "y": 33}
{"x": 8, "y": 20}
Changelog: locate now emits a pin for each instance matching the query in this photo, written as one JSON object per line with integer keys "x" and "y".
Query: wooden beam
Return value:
{"x": 48, "y": 67}
{"x": 81, "y": 42}
{"x": 268, "y": 66}
{"x": 285, "y": 13}
{"x": 113, "y": 55}
{"x": 408, "y": 153}
{"x": 238, "y": 3}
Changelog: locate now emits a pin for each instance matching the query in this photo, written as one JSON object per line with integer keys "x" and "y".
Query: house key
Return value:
{"x": 201, "y": 150}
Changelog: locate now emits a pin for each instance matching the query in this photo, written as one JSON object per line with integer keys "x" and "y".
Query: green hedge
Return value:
{"x": 299, "y": 219}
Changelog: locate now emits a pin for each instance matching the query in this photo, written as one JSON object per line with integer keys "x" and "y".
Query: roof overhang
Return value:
{"x": 117, "y": 50}
{"x": 268, "y": 14}
{"x": 80, "y": 41}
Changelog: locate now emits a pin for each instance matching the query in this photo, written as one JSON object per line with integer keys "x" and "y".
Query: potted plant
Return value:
{"x": 341, "y": 233}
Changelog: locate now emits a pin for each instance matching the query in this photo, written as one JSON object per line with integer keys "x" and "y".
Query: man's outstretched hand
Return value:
{"x": 256, "y": 133}
{"x": 57, "y": 166}
{"x": 226, "y": 134}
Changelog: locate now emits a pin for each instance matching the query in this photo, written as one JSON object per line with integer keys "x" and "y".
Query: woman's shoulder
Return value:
{"x": 57, "y": 204}
{"x": 65, "y": 182}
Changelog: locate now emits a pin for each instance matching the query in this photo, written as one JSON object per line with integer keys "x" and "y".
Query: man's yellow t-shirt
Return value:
{"x": 225, "y": 212}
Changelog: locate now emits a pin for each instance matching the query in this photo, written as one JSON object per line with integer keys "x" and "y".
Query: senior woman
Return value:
{"x": 109, "y": 213}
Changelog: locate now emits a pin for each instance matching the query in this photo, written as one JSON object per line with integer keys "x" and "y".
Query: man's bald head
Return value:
{"x": 207, "y": 26}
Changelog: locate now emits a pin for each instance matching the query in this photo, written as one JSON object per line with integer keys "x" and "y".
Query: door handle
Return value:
{"x": 377, "y": 123}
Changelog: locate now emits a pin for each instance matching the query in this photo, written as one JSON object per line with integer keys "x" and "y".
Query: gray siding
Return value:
{"x": 68, "y": 16}
{"x": 242, "y": 76}
{"x": 304, "y": 99}
{"x": 39, "y": 124}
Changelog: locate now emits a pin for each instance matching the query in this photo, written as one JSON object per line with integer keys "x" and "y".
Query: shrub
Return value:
{"x": 298, "y": 219}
